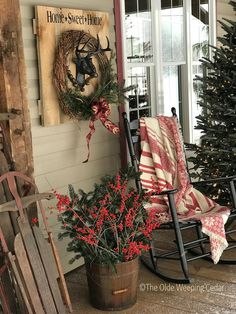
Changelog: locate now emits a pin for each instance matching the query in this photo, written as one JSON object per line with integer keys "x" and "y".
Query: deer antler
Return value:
{"x": 82, "y": 49}
{"x": 98, "y": 49}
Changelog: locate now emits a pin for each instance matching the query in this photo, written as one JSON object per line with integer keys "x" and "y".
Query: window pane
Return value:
{"x": 171, "y": 88}
{"x": 133, "y": 115}
{"x": 199, "y": 30}
{"x": 177, "y": 30}
{"x": 138, "y": 30}
{"x": 172, "y": 32}
{"x": 196, "y": 109}
{"x": 133, "y": 6}
{"x": 144, "y": 113}
{"x": 139, "y": 98}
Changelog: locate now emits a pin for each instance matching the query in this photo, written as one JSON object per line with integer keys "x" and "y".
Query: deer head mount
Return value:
{"x": 85, "y": 69}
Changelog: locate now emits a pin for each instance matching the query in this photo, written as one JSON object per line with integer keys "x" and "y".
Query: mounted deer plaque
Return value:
{"x": 84, "y": 63}
{"x": 87, "y": 41}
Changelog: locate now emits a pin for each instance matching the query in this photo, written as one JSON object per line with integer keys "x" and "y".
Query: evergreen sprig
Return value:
{"x": 108, "y": 224}
{"x": 79, "y": 105}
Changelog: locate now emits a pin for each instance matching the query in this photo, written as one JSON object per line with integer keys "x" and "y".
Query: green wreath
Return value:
{"x": 71, "y": 98}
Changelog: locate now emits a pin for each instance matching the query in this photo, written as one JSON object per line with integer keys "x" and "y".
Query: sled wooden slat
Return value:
{"x": 12, "y": 260}
{"x": 37, "y": 267}
{"x": 38, "y": 260}
{"x": 63, "y": 286}
{"x": 48, "y": 259}
{"x": 27, "y": 275}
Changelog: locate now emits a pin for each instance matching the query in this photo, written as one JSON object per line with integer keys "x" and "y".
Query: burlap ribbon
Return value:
{"x": 101, "y": 111}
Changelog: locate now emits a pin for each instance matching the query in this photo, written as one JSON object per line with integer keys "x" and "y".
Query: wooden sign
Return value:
{"x": 51, "y": 22}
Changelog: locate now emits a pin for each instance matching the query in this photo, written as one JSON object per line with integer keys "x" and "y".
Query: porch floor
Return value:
{"x": 213, "y": 291}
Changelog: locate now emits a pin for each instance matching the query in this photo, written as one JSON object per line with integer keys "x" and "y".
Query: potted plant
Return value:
{"x": 110, "y": 228}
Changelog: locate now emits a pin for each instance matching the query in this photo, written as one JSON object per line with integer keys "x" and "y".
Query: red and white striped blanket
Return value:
{"x": 162, "y": 161}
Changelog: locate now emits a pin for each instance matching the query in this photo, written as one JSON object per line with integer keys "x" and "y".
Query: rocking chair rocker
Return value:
{"x": 185, "y": 250}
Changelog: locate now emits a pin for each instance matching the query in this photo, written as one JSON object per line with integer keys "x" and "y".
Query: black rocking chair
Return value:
{"x": 184, "y": 251}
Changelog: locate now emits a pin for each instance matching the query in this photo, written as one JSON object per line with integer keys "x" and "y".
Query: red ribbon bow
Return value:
{"x": 101, "y": 111}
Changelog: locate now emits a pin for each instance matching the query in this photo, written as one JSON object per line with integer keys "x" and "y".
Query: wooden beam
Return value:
{"x": 13, "y": 86}
{"x": 120, "y": 76}
{"x": 13, "y": 99}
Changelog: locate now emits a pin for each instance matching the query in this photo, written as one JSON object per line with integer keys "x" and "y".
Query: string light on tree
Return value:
{"x": 215, "y": 157}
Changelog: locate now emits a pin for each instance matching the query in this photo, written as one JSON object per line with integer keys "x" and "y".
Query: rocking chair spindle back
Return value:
{"x": 185, "y": 250}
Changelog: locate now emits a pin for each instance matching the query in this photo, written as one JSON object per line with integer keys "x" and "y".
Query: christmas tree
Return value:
{"x": 216, "y": 155}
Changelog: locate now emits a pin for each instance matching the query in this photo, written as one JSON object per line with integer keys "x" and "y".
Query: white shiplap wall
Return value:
{"x": 58, "y": 151}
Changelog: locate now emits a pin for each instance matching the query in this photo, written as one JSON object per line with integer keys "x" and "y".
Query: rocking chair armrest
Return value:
{"x": 231, "y": 178}
{"x": 167, "y": 192}
{"x": 173, "y": 191}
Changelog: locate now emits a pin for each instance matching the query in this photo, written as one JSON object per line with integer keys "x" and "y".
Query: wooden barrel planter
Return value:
{"x": 111, "y": 289}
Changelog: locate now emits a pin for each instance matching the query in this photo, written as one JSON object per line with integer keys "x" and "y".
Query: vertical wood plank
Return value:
{"x": 48, "y": 261}
{"x": 27, "y": 275}
{"x": 37, "y": 267}
{"x": 120, "y": 75}
{"x": 25, "y": 306}
{"x": 13, "y": 90}
{"x": 63, "y": 286}
{"x": 13, "y": 86}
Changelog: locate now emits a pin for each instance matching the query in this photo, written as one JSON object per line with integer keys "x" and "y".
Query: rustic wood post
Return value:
{"x": 13, "y": 86}
{"x": 13, "y": 98}
{"x": 120, "y": 76}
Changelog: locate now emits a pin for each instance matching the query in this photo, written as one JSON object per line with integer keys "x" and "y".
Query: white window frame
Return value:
{"x": 157, "y": 98}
